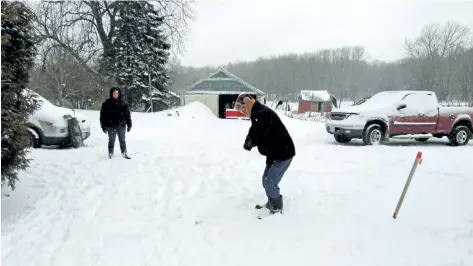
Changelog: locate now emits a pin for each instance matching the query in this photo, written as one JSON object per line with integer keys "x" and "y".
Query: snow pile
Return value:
{"x": 187, "y": 195}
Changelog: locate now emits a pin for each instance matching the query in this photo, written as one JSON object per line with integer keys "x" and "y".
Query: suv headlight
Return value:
{"x": 351, "y": 114}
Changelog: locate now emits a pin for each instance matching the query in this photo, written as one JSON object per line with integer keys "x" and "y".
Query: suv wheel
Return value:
{"x": 373, "y": 135}
{"x": 341, "y": 139}
{"x": 459, "y": 136}
{"x": 35, "y": 141}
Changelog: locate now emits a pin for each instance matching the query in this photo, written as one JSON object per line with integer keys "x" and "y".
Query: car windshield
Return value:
{"x": 383, "y": 98}
{"x": 361, "y": 101}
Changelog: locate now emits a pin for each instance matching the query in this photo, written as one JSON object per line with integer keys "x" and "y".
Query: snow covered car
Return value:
{"x": 48, "y": 125}
{"x": 395, "y": 113}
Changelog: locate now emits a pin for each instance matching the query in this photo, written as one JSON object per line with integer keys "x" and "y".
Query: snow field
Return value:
{"x": 187, "y": 198}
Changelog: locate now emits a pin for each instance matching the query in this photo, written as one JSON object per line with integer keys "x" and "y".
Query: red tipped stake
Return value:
{"x": 417, "y": 161}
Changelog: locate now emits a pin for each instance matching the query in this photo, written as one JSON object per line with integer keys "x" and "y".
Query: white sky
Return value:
{"x": 225, "y": 31}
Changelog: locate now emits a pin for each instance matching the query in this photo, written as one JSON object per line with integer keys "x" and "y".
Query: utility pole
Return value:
{"x": 150, "y": 90}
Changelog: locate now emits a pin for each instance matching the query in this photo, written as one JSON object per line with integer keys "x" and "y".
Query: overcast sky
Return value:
{"x": 226, "y": 31}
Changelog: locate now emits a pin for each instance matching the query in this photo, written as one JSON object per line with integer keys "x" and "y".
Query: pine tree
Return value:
{"x": 18, "y": 52}
{"x": 140, "y": 48}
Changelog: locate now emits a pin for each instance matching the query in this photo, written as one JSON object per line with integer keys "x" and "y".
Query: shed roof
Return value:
{"x": 315, "y": 96}
{"x": 222, "y": 81}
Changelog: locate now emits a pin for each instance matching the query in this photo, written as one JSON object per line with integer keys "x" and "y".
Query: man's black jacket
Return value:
{"x": 269, "y": 134}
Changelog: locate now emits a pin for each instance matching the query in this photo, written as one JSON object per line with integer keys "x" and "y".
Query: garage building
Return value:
{"x": 219, "y": 91}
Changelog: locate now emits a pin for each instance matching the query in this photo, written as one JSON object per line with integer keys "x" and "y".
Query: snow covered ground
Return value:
{"x": 187, "y": 195}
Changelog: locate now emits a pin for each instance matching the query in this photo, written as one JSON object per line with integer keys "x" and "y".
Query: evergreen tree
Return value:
{"x": 18, "y": 52}
{"x": 140, "y": 49}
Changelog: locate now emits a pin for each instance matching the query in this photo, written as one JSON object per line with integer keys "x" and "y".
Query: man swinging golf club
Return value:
{"x": 268, "y": 133}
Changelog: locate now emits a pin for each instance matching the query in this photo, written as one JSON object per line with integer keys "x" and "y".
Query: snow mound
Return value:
{"x": 194, "y": 110}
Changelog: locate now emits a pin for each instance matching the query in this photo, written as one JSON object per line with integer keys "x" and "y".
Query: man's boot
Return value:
{"x": 266, "y": 205}
{"x": 276, "y": 204}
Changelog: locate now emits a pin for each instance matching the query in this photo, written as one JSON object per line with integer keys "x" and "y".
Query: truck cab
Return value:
{"x": 399, "y": 113}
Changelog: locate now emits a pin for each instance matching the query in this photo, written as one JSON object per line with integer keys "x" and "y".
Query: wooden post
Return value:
{"x": 417, "y": 161}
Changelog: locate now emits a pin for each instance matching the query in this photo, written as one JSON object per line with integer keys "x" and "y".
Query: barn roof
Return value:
{"x": 220, "y": 82}
{"x": 315, "y": 96}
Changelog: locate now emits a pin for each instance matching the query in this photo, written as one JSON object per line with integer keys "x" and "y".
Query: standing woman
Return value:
{"x": 115, "y": 119}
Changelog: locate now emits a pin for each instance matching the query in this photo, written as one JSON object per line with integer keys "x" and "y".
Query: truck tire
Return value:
{"x": 341, "y": 139}
{"x": 373, "y": 135}
{"x": 459, "y": 136}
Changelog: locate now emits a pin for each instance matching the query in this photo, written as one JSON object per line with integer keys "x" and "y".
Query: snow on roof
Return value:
{"x": 157, "y": 95}
{"x": 229, "y": 83}
{"x": 317, "y": 96}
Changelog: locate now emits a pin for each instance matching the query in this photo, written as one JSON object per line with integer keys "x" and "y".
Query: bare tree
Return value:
{"x": 86, "y": 29}
{"x": 465, "y": 76}
{"x": 437, "y": 42}
{"x": 67, "y": 25}
{"x": 357, "y": 53}
{"x": 63, "y": 81}
{"x": 435, "y": 51}
{"x": 177, "y": 14}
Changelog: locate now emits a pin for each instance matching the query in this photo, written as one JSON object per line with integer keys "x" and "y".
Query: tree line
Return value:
{"x": 440, "y": 59}
{"x": 74, "y": 70}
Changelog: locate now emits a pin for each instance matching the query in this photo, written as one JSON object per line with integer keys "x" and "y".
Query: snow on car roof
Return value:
{"x": 387, "y": 96}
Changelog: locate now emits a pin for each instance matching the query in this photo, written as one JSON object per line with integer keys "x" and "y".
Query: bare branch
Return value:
{"x": 86, "y": 29}
{"x": 177, "y": 14}
{"x": 437, "y": 42}
{"x": 60, "y": 22}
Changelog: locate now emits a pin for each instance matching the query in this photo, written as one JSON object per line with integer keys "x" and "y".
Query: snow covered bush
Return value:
{"x": 18, "y": 51}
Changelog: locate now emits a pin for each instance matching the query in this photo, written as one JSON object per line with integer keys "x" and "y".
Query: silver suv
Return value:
{"x": 49, "y": 124}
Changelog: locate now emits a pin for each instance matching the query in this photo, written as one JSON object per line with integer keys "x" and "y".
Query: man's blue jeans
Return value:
{"x": 272, "y": 176}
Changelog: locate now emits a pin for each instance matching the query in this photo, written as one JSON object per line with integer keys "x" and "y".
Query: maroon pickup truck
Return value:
{"x": 396, "y": 113}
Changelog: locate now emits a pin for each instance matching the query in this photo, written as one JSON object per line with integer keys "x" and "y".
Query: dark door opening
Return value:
{"x": 227, "y": 101}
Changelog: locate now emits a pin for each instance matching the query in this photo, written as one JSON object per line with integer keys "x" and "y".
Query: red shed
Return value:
{"x": 316, "y": 101}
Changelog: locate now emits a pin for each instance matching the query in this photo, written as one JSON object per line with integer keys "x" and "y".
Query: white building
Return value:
{"x": 219, "y": 91}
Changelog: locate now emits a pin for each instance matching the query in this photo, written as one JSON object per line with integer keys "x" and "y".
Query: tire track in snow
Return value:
{"x": 82, "y": 204}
